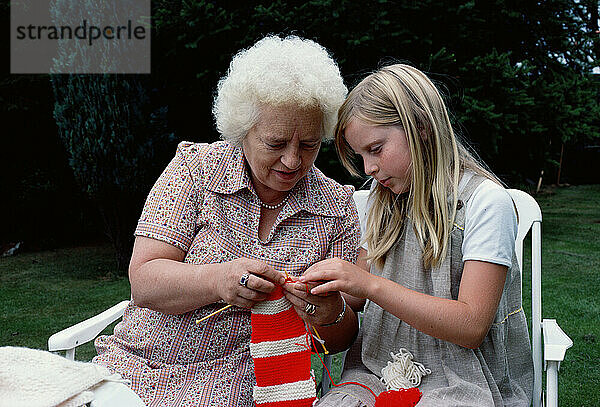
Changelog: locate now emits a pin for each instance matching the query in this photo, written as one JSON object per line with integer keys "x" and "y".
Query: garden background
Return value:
{"x": 79, "y": 153}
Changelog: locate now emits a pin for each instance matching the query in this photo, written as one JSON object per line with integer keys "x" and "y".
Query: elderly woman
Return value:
{"x": 226, "y": 222}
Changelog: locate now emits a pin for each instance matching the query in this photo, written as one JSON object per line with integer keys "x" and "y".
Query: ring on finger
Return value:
{"x": 244, "y": 279}
{"x": 310, "y": 309}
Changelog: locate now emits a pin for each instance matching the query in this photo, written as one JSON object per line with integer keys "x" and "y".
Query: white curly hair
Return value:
{"x": 274, "y": 72}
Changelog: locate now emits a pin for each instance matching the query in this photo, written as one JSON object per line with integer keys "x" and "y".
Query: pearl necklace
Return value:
{"x": 279, "y": 205}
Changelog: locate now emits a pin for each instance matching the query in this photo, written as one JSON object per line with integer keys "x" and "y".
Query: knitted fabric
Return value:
{"x": 281, "y": 353}
{"x": 36, "y": 378}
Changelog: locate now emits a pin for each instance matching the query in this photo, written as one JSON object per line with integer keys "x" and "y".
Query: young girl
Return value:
{"x": 443, "y": 280}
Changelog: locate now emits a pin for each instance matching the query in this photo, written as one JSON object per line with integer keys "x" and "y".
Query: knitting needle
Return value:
{"x": 224, "y": 308}
{"x": 322, "y": 341}
{"x": 214, "y": 313}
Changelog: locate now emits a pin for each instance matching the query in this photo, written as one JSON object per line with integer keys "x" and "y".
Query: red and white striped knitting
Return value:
{"x": 281, "y": 353}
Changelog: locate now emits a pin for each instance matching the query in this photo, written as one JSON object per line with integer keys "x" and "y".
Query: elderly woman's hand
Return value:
{"x": 315, "y": 309}
{"x": 246, "y": 282}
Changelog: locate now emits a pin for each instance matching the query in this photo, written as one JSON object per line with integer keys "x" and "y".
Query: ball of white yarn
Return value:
{"x": 403, "y": 372}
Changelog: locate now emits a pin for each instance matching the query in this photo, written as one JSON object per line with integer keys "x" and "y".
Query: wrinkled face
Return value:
{"x": 281, "y": 148}
{"x": 385, "y": 153}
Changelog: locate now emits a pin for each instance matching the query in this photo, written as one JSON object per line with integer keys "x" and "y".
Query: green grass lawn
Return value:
{"x": 44, "y": 292}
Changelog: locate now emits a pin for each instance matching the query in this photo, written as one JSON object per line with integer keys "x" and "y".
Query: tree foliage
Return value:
{"x": 112, "y": 131}
{"x": 114, "y": 138}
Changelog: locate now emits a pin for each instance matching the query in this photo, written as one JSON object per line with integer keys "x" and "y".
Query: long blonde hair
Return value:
{"x": 400, "y": 95}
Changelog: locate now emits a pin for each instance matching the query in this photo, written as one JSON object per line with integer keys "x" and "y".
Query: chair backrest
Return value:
{"x": 530, "y": 218}
{"x": 360, "y": 199}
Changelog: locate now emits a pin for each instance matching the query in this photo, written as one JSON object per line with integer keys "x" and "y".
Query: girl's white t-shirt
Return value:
{"x": 490, "y": 223}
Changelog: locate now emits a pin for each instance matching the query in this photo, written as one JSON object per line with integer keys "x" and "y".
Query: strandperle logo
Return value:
{"x": 80, "y": 36}
{"x": 90, "y": 33}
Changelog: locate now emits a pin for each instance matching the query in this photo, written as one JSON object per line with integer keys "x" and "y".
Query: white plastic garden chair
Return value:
{"x": 549, "y": 342}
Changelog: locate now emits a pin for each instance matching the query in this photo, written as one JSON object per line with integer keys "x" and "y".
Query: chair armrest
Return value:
{"x": 556, "y": 342}
{"x": 87, "y": 330}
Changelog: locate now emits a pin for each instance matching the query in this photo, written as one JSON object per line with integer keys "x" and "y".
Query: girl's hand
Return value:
{"x": 260, "y": 281}
{"x": 314, "y": 309}
{"x": 338, "y": 275}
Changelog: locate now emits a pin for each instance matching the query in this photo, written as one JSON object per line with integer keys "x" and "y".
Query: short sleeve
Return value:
{"x": 345, "y": 244}
{"x": 170, "y": 211}
{"x": 363, "y": 223}
{"x": 490, "y": 225}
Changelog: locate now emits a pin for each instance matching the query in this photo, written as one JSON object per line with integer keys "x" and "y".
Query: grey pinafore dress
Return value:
{"x": 498, "y": 373}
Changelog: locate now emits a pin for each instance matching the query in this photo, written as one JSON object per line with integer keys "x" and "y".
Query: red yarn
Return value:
{"x": 399, "y": 398}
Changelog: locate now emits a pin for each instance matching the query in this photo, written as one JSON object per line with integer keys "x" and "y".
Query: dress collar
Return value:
{"x": 226, "y": 172}
{"x": 225, "y": 169}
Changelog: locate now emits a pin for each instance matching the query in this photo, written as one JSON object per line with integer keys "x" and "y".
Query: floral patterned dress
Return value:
{"x": 204, "y": 203}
